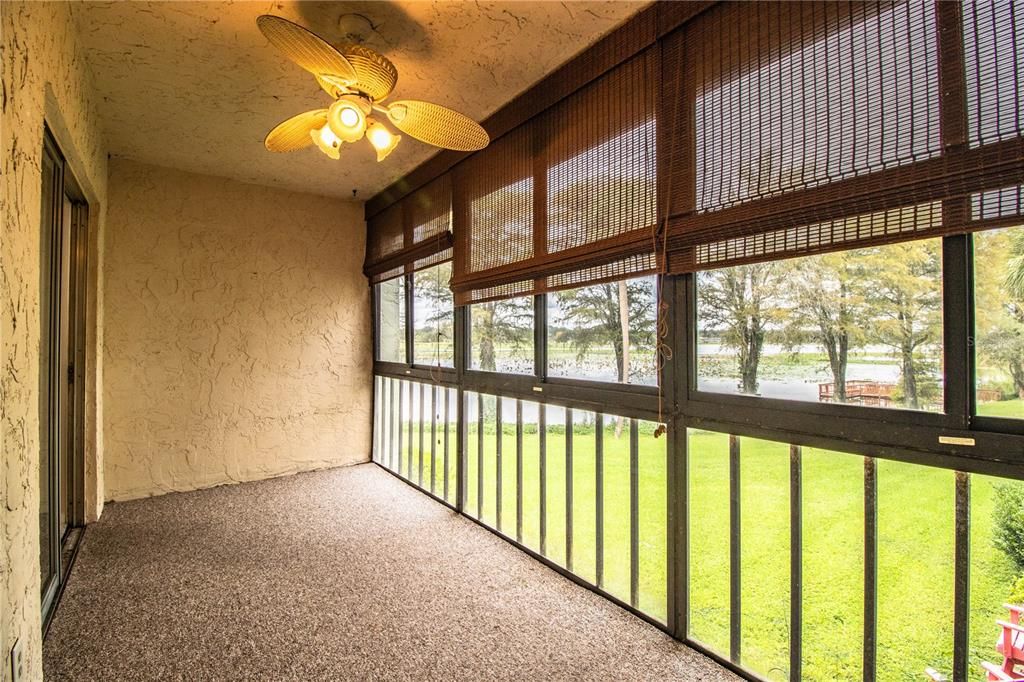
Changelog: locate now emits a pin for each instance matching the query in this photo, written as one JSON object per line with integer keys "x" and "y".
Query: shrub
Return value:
{"x": 1017, "y": 591}
{"x": 1008, "y": 533}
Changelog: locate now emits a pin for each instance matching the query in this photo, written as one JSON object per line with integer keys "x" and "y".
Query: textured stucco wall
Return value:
{"x": 237, "y": 332}
{"x": 43, "y": 77}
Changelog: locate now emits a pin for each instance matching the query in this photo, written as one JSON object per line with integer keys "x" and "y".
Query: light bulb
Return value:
{"x": 327, "y": 141}
{"x": 347, "y": 118}
{"x": 381, "y": 139}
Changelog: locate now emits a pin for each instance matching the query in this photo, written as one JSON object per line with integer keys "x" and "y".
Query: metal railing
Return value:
{"x": 617, "y": 513}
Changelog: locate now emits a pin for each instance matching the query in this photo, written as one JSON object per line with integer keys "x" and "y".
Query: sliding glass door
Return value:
{"x": 63, "y": 238}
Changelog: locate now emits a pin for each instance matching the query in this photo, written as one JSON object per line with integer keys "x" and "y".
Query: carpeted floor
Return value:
{"x": 346, "y": 573}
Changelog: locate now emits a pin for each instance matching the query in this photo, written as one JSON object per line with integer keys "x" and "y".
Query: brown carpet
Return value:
{"x": 346, "y": 573}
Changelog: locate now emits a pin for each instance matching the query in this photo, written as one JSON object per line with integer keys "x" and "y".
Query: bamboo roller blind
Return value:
{"x": 754, "y": 131}
{"x": 411, "y": 234}
{"x": 824, "y": 126}
{"x": 568, "y": 199}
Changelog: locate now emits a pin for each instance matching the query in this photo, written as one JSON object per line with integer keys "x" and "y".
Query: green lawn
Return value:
{"x": 1013, "y": 409}
{"x": 915, "y": 543}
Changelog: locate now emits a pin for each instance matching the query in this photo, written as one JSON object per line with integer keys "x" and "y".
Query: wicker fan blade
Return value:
{"x": 437, "y": 125}
{"x": 293, "y": 133}
{"x": 307, "y": 49}
{"x": 375, "y": 74}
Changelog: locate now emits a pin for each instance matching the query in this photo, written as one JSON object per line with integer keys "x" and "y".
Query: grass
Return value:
{"x": 915, "y": 543}
{"x": 1012, "y": 409}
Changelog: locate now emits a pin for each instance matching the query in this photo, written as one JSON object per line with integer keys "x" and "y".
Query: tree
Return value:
{"x": 499, "y": 322}
{"x": 596, "y": 316}
{"x": 741, "y": 302}
{"x": 1013, "y": 279}
{"x": 828, "y": 302}
{"x": 434, "y": 310}
{"x": 999, "y": 301}
{"x": 905, "y": 307}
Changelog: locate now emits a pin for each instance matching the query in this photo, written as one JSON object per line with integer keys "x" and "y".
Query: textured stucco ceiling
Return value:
{"x": 195, "y": 86}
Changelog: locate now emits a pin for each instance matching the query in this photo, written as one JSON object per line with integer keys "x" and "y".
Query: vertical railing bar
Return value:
{"x": 568, "y": 488}
{"x": 962, "y": 577}
{"x": 634, "y": 513}
{"x": 395, "y": 426}
{"x": 412, "y": 442}
{"x": 519, "y": 470}
{"x": 385, "y": 424}
{"x": 423, "y": 401}
{"x": 401, "y": 410}
{"x": 542, "y": 434}
{"x": 386, "y": 396}
{"x": 499, "y": 428}
{"x": 735, "y": 613}
{"x": 480, "y": 455}
{"x": 870, "y": 568}
{"x": 375, "y": 444}
{"x": 461, "y": 448}
{"x": 433, "y": 438}
{"x": 385, "y": 419}
{"x": 599, "y": 497}
{"x": 679, "y": 454}
{"x": 795, "y": 562}
{"x": 463, "y": 341}
{"x": 447, "y": 425}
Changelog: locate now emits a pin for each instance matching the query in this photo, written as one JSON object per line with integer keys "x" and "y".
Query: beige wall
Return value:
{"x": 237, "y": 332}
{"x": 44, "y": 77}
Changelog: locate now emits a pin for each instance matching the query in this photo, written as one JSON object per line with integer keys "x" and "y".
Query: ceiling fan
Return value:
{"x": 358, "y": 79}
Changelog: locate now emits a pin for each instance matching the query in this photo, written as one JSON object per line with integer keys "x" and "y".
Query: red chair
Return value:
{"x": 1011, "y": 645}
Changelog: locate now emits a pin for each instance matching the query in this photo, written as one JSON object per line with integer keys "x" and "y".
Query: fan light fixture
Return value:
{"x": 358, "y": 79}
{"x": 327, "y": 141}
{"x": 347, "y": 118}
{"x": 381, "y": 139}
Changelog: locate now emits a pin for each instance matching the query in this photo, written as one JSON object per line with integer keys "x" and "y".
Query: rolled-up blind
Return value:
{"x": 411, "y": 234}
{"x": 809, "y": 127}
{"x": 567, "y": 199}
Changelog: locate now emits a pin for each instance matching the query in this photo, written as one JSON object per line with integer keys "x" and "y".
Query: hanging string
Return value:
{"x": 659, "y": 236}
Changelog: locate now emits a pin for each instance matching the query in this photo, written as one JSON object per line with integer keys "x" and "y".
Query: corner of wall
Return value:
{"x": 237, "y": 339}
{"x": 45, "y": 78}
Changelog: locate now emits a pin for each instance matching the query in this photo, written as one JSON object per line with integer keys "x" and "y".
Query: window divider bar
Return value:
{"x": 479, "y": 455}
{"x": 962, "y": 578}
{"x": 542, "y": 434}
{"x": 540, "y": 335}
{"x": 958, "y": 387}
{"x": 375, "y": 324}
{"x": 519, "y": 471}
{"x": 870, "y": 568}
{"x": 568, "y": 488}
{"x": 498, "y": 431}
{"x": 735, "y": 613}
{"x": 634, "y": 513}
{"x": 409, "y": 324}
{"x": 599, "y": 497}
{"x": 795, "y": 562}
